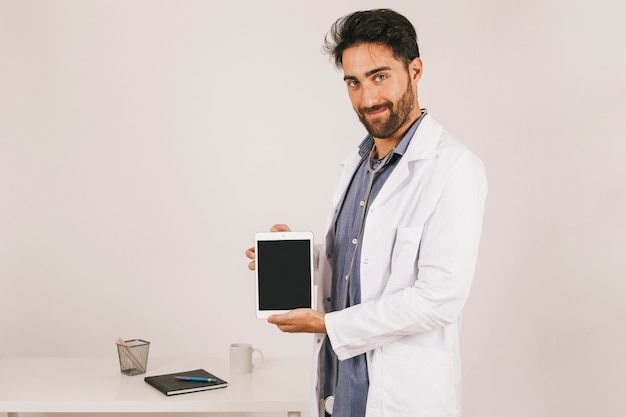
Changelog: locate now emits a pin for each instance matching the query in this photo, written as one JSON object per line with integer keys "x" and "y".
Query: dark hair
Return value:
{"x": 382, "y": 26}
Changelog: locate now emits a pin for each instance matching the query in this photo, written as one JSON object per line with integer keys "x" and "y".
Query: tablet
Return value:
{"x": 284, "y": 272}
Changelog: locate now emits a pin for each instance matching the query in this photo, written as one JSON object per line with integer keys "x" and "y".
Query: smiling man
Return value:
{"x": 395, "y": 268}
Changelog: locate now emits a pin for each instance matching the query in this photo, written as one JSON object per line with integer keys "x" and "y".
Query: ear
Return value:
{"x": 415, "y": 70}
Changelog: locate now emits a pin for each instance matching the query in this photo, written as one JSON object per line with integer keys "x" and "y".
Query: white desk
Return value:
{"x": 91, "y": 385}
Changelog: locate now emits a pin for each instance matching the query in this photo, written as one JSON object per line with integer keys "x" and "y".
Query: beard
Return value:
{"x": 398, "y": 114}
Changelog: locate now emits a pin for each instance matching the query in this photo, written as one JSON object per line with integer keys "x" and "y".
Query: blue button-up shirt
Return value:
{"x": 352, "y": 383}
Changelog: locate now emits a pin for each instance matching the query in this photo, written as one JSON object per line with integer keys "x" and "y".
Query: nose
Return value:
{"x": 369, "y": 96}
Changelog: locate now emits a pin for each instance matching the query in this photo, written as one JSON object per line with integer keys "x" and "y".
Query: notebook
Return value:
{"x": 169, "y": 385}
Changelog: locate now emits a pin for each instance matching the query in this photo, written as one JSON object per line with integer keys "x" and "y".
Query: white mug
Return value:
{"x": 241, "y": 358}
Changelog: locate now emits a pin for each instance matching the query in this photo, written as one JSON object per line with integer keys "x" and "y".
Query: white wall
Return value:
{"x": 142, "y": 143}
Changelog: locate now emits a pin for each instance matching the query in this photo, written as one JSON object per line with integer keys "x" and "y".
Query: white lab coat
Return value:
{"x": 417, "y": 262}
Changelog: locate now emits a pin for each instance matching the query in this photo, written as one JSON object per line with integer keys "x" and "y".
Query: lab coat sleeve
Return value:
{"x": 445, "y": 269}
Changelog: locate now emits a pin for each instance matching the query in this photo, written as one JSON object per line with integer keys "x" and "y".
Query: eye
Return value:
{"x": 352, "y": 83}
{"x": 380, "y": 77}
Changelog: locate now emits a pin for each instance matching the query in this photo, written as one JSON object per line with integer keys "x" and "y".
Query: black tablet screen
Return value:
{"x": 284, "y": 271}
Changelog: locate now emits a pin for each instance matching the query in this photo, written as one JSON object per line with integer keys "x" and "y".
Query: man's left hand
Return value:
{"x": 300, "y": 320}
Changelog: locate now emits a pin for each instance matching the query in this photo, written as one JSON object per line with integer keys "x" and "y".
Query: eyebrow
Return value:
{"x": 367, "y": 74}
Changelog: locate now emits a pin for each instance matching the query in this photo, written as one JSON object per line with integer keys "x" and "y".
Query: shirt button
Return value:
{"x": 361, "y": 203}
{"x": 365, "y": 261}
{"x": 354, "y": 241}
{"x": 347, "y": 277}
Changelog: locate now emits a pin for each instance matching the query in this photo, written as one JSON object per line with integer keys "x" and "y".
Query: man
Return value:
{"x": 396, "y": 266}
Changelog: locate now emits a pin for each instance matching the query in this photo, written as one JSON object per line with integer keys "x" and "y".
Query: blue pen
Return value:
{"x": 195, "y": 378}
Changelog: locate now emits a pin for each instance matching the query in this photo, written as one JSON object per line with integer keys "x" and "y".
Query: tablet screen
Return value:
{"x": 284, "y": 270}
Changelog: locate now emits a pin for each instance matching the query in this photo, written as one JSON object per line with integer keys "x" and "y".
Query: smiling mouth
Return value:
{"x": 375, "y": 113}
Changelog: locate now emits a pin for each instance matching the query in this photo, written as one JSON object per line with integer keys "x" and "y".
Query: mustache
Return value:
{"x": 377, "y": 107}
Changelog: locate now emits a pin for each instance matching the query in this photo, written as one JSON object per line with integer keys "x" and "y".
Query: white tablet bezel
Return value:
{"x": 280, "y": 236}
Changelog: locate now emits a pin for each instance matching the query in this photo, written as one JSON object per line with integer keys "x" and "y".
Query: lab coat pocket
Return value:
{"x": 416, "y": 381}
{"x": 404, "y": 258}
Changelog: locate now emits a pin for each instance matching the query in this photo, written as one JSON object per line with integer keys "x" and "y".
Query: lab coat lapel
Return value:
{"x": 423, "y": 146}
{"x": 348, "y": 166}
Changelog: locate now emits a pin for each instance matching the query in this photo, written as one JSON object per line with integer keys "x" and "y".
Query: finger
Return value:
{"x": 252, "y": 265}
{"x": 280, "y": 228}
{"x": 250, "y": 253}
{"x": 285, "y": 329}
{"x": 277, "y": 319}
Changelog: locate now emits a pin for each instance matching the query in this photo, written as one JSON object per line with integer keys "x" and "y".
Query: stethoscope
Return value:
{"x": 329, "y": 402}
